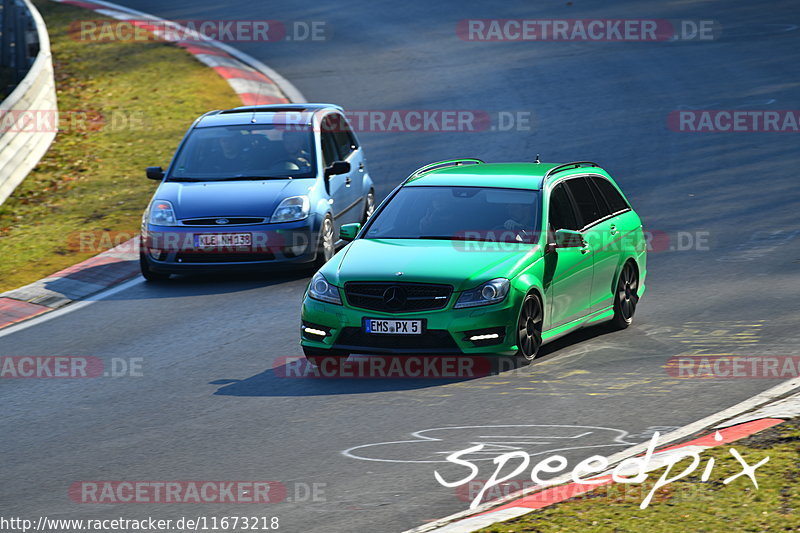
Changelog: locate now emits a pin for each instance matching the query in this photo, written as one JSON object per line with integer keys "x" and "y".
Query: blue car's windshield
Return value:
{"x": 459, "y": 213}
{"x": 252, "y": 151}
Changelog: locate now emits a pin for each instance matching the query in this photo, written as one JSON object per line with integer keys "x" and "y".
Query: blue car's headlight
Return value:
{"x": 320, "y": 289}
{"x": 491, "y": 292}
{"x": 291, "y": 209}
{"x": 161, "y": 213}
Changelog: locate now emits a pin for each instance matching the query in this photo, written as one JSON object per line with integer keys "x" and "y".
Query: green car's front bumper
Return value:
{"x": 446, "y": 331}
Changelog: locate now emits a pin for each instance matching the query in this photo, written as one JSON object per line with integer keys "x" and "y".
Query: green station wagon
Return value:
{"x": 467, "y": 257}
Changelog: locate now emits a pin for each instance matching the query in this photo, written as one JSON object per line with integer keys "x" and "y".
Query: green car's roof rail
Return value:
{"x": 443, "y": 164}
{"x": 568, "y": 166}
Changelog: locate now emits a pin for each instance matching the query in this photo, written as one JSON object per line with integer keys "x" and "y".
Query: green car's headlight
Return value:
{"x": 161, "y": 213}
{"x": 291, "y": 209}
{"x": 320, "y": 289}
{"x": 491, "y": 292}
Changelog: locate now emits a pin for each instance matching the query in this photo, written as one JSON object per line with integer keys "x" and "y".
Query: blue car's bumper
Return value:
{"x": 176, "y": 249}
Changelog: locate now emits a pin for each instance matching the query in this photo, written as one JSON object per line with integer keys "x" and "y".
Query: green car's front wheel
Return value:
{"x": 626, "y": 297}
{"x": 529, "y": 328}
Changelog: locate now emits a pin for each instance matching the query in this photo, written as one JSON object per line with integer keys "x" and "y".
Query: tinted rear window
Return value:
{"x": 589, "y": 208}
{"x": 612, "y": 196}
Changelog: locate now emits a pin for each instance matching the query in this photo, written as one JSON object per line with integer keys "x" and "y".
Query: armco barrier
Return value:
{"x": 21, "y": 148}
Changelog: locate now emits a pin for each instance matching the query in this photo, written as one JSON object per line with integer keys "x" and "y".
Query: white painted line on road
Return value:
{"x": 71, "y": 307}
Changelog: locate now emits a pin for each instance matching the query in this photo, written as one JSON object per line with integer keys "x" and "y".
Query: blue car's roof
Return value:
{"x": 263, "y": 114}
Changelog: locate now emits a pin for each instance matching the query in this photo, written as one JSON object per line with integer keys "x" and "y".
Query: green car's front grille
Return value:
{"x": 397, "y": 297}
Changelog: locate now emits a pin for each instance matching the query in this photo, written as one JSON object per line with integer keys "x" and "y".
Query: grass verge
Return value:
{"x": 690, "y": 504}
{"x": 122, "y": 106}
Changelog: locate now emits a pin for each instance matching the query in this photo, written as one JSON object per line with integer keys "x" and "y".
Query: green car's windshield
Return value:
{"x": 253, "y": 151}
{"x": 459, "y": 213}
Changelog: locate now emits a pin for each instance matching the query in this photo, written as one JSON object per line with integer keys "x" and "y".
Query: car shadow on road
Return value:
{"x": 550, "y": 350}
{"x": 294, "y": 376}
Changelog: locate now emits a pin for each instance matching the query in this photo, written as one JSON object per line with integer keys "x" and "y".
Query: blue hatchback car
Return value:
{"x": 252, "y": 187}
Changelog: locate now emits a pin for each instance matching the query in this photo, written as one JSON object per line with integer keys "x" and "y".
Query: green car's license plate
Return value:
{"x": 393, "y": 327}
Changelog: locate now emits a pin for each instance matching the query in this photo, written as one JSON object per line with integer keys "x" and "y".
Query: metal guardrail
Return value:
{"x": 24, "y": 135}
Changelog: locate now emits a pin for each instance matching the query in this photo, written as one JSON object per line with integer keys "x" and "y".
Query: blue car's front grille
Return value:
{"x": 217, "y": 221}
{"x": 397, "y": 297}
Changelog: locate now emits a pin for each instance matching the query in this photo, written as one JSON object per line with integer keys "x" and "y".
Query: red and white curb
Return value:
{"x": 741, "y": 420}
{"x": 254, "y": 83}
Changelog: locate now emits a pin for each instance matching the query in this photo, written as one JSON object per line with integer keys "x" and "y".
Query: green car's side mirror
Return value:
{"x": 348, "y": 232}
{"x": 567, "y": 238}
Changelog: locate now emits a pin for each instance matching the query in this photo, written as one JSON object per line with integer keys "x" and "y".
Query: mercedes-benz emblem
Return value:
{"x": 394, "y": 297}
{"x": 222, "y": 221}
{"x": 398, "y": 273}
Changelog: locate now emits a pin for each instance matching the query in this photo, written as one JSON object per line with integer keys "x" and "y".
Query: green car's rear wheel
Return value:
{"x": 529, "y": 328}
{"x": 626, "y": 297}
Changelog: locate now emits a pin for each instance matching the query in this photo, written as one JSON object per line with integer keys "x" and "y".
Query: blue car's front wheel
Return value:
{"x": 148, "y": 273}
{"x": 326, "y": 247}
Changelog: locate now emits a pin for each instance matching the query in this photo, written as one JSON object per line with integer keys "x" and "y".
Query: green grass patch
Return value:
{"x": 690, "y": 504}
{"x": 123, "y": 106}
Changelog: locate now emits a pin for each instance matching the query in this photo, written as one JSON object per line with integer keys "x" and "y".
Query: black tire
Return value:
{"x": 626, "y": 296}
{"x": 529, "y": 329}
{"x": 315, "y": 356}
{"x": 327, "y": 242}
{"x": 369, "y": 207}
{"x": 148, "y": 273}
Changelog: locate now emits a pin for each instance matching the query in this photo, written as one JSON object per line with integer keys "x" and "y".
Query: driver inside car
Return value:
{"x": 295, "y": 143}
{"x": 519, "y": 217}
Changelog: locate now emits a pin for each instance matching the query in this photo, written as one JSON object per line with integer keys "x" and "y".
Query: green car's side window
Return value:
{"x": 590, "y": 208}
{"x": 562, "y": 215}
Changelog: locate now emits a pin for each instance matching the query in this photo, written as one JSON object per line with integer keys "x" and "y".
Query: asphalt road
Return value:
{"x": 210, "y": 404}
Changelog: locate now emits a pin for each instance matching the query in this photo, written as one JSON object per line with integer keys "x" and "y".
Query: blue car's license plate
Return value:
{"x": 220, "y": 240}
